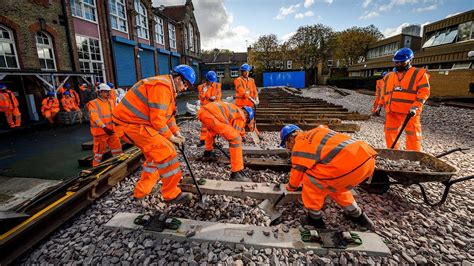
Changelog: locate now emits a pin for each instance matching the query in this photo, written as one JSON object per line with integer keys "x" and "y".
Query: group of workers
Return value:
{"x": 324, "y": 162}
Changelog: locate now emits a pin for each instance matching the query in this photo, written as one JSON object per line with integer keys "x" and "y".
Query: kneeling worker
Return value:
{"x": 327, "y": 163}
{"x": 50, "y": 107}
{"x": 102, "y": 128}
{"x": 228, "y": 121}
{"x": 145, "y": 118}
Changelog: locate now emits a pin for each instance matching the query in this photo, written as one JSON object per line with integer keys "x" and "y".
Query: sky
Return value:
{"x": 235, "y": 24}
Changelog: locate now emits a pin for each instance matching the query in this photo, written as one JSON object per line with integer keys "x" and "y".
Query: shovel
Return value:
{"x": 269, "y": 208}
{"x": 407, "y": 118}
{"x": 253, "y": 134}
{"x": 203, "y": 198}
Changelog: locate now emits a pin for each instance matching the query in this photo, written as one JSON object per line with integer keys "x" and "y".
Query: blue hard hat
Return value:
{"x": 187, "y": 72}
{"x": 67, "y": 85}
{"x": 3, "y": 86}
{"x": 66, "y": 93}
{"x": 110, "y": 84}
{"x": 250, "y": 113}
{"x": 285, "y": 132}
{"x": 211, "y": 76}
{"x": 245, "y": 67}
{"x": 384, "y": 73}
{"x": 403, "y": 55}
{"x": 50, "y": 94}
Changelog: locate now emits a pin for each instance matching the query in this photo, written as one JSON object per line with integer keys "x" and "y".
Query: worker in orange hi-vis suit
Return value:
{"x": 50, "y": 107}
{"x": 327, "y": 163}
{"x": 145, "y": 118}
{"x": 9, "y": 105}
{"x": 228, "y": 121}
{"x": 378, "y": 101}
{"x": 68, "y": 102}
{"x": 102, "y": 128}
{"x": 113, "y": 92}
{"x": 246, "y": 93}
{"x": 209, "y": 91}
{"x": 72, "y": 92}
{"x": 83, "y": 87}
{"x": 405, "y": 91}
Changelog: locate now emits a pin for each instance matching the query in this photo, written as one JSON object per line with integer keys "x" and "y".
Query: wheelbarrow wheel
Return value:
{"x": 380, "y": 184}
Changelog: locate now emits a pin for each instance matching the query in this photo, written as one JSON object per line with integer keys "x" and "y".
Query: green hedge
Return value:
{"x": 354, "y": 83}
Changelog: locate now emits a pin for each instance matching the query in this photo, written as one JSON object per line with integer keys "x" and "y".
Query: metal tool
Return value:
{"x": 405, "y": 122}
{"x": 269, "y": 208}
{"x": 203, "y": 198}
{"x": 253, "y": 134}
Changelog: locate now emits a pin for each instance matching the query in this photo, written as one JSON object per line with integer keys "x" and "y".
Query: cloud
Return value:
{"x": 285, "y": 11}
{"x": 217, "y": 31}
{"x": 369, "y": 15}
{"x": 426, "y": 8}
{"x": 366, "y": 3}
{"x": 303, "y": 15}
{"x": 328, "y": 1}
{"x": 452, "y": 14}
{"x": 287, "y": 36}
{"x": 308, "y": 3}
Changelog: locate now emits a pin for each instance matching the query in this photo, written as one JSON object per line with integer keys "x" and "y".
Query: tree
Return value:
{"x": 311, "y": 45}
{"x": 265, "y": 52}
{"x": 353, "y": 43}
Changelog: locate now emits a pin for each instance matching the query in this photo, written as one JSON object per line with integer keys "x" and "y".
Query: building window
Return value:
{"x": 84, "y": 9}
{"x": 44, "y": 47}
{"x": 384, "y": 50}
{"x": 234, "y": 73}
{"x": 141, "y": 20}
{"x": 220, "y": 73}
{"x": 118, "y": 15}
{"x": 172, "y": 34}
{"x": 90, "y": 56}
{"x": 159, "y": 32}
{"x": 191, "y": 37}
{"x": 289, "y": 64}
{"x": 465, "y": 31}
{"x": 8, "y": 57}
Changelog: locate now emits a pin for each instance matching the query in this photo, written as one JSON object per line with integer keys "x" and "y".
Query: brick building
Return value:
{"x": 443, "y": 50}
{"x": 226, "y": 65}
{"x": 45, "y": 43}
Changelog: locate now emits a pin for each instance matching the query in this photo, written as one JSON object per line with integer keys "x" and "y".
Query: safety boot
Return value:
{"x": 209, "y": 156}
{"x": 317, "y": 223}
{"x": 183, "y": 197}
{"x": 239, "y": 177}
{"x": 201, "y": 143}
{"x": 363, "y": 221}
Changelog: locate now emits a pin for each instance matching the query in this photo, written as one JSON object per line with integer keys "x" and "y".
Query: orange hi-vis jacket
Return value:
{"x": 8, "y": 101}
{"x": 226, "y": 113}
{"x": 206, "y": 92}
{"x": 150, "y": 102}
{"x": 50, "y": 104}
{"x": 83, "y": 88}
{"x": 378, "y": 101}
{"x": 113, "y": 96}
{"x": 402, "y": 91}
{"x": 325, "y": 157}
{"x": 245, "y": 89}
{"x": 73, "y": 93}
{"x": 100, "y": 111}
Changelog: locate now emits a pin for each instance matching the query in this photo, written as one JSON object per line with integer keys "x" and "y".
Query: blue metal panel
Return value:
{"x": 147, "y": 62}
{"x": 174, "y": 61}
{"x": 163, "y": 63}
{"x": 295, "y": 79}
{"x": 145, "y": 46}
{"x": 124, "y": 63}
{"x": 123, "y": 40}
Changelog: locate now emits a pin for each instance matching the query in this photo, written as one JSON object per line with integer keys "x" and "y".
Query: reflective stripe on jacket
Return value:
{"x": 245, "y": 89}
{"x": 8, "y": 100}
{"x": 150, "y": 102}
{"x": 100, "y": 112}
{"x": 50, "y": 104}
{"x": 403, "y": 91}
{"x": 227, "y": 113}
{"x": 205, "y": 92}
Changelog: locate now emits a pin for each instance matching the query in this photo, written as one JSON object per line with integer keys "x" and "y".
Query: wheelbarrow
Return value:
{"x": 443, "y": 173}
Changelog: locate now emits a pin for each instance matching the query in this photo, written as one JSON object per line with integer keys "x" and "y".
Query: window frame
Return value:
{"x": 170, "y": 34}
{"x": 10, "y": 41}
{"x": 145, "y": 28}
{"x": 191, "y": 37}
{"x": 117, "y": 16}
{"x": 91, "y": 61}
{"x": 46, "y": 46}
{"x": 471, "y": 33}
{"x": 219, "y": 75}
{"x": 82, "y": 6}
{"x": 234, "y": 73}
{"x": 157, "y": 26}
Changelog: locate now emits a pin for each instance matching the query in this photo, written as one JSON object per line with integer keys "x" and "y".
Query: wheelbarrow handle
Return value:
{"x": 447, "y": 187}
{"x": 451, "y": 151}
{"x": 405, "y": 122}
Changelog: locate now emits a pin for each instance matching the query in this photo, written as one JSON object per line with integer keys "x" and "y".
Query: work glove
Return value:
{"x": 177, "y": 141}
{"x": 257, "y": 102}
{"x": 289, "y": 188}
{"x": 178, "y": 135}
{"x": 108, "y": 130}
{"x": 212, "y": 98}
{"x": 413, "y": 110}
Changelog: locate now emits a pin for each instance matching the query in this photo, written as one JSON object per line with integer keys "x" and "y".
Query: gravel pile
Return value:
{"x": 402, "y": 165}
{"x": 414, "y": 232}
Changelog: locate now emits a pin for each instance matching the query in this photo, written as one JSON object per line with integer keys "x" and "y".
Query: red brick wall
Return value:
{"x": 454, "y": 83}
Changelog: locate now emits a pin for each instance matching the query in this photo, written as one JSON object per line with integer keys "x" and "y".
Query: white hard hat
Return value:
{"x": 104, "y": 87}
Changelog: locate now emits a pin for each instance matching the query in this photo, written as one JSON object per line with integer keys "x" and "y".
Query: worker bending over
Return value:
{"x": 209, "y": 91}
{"x": 405, "y": 91}
{"x": 102, "y": 128}
{"x": 50, "y": 107}
{"x": 378, "y": 101}
{"x": 145, "y": 118}
{"x": 327, "y": 163}
{"x": 228, "y": 121}
{"x": 9, "y": 105}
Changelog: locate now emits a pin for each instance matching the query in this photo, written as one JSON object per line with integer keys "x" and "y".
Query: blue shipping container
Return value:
{"x": 295, "y": 79}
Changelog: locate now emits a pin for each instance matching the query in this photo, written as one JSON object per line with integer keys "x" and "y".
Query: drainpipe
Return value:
{"x": 68, "y": 34}
{"x": 111, "y": 44}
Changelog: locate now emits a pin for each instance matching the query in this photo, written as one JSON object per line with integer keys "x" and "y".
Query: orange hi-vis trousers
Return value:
{"x": 315, "y": 191}
{"x": 160, "y": 160}
{"x": 50, "y": 115}
{"x": 203, "y": 134}
{"x": 13, "y": 117}
{"x": 100, "y": 145}
{"x": 232, "y": 135}
{"x": 393, "y": 123}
